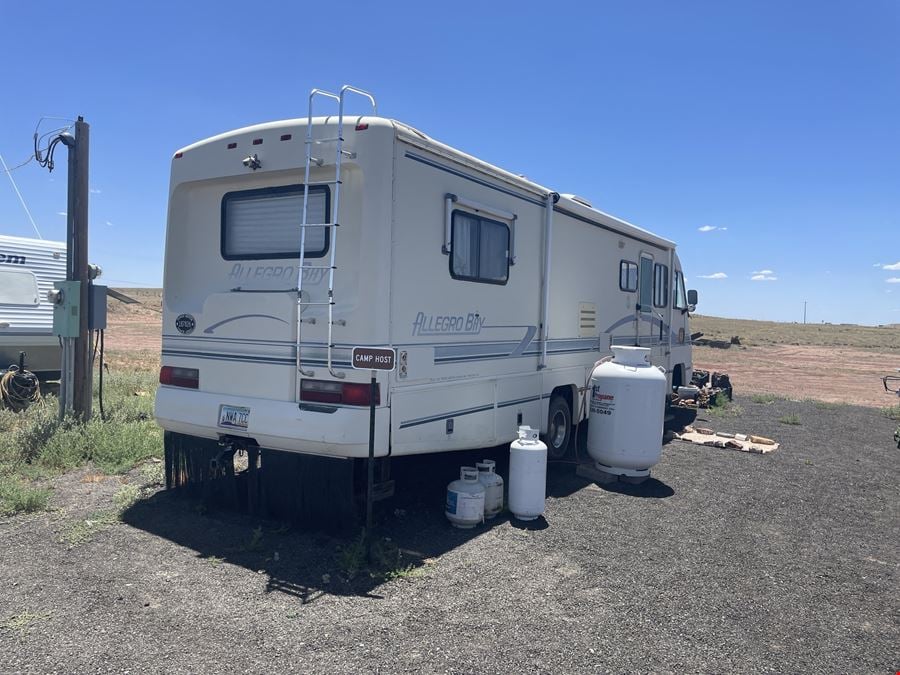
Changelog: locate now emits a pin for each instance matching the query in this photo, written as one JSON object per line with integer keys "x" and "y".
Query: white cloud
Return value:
{"x": 893, "y": 268}
{"x": 707, "y": 228}
{"x": 723, "y": 228}
{"x": 110, "y": 224}
{"x": 763, "y": 277}
{"x": 765, "y": 272}
{"x": 877, "y": 265}
{"x": 893, "y": 280}
{"x": 62, "y": 213}
{"x": 717, "y": 275}
{"x": 95, "y": 191}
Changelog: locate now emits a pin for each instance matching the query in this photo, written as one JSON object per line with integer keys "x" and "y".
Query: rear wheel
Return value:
{"x": 559, "y": 427}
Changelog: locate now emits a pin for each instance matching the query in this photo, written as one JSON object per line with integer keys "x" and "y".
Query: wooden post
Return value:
{"x": 78, "y": 266}
{"x": 370, "y": 480}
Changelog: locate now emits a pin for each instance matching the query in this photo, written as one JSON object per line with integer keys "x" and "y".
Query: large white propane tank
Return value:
{"x": 493, "y": 487}
{"x": 527, "y": 475}
{"x": 628, "y": 397}
{"x": 465, "y": 499}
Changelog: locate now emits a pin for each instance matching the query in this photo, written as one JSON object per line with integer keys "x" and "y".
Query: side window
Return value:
{"x": 645, "y": 281}
{"x": 265, "y": 223}
{"x": 680, "y": 296}
{"x": 628, "y": 276}
{"x": 660, "y": 285}
{"x": 479, "y": 249}
{"x": 18, "y": 287}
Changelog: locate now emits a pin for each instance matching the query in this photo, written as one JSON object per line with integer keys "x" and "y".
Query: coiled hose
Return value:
{"x": 19, "y": 389}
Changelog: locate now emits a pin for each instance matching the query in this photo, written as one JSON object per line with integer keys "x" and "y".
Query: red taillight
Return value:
{"x": 359, "y": 393}
{"x": 257, "y": 141}
{"x": 179, "y": 155}
{"x": 362, "y": 127}
{"x": 180, "y": 377}
{"x": 347, "y": 393}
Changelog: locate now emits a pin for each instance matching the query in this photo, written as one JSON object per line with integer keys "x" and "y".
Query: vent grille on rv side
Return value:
{"x": 587, "y": 319}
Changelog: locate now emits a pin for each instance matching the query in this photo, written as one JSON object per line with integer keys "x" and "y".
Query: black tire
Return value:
{"x": 680, "y": 417}
{"x": 559, "y": 428}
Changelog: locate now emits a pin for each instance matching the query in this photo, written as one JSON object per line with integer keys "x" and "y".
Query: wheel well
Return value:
{"x": 678, "y": 376}
{"x": 567, "y": 391}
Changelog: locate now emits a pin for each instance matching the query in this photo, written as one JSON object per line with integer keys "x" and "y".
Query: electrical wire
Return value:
{"x": 19, "y": 194}
{"x": 100, "y": 390}
{"x": 10, "y": 169}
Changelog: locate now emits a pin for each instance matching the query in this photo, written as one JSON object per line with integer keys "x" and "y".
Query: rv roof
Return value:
{"x": 575, "y": 205}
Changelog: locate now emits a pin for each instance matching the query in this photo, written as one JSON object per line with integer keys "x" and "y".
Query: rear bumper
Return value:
{"x": 279, "y": 425}
{"x": 43, "y": 353}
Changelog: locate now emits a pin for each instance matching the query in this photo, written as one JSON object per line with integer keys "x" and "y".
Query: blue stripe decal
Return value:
{"x": 469, "y": 411}
{"x": 441, "y": 167}
{"x": 249, "y": 358}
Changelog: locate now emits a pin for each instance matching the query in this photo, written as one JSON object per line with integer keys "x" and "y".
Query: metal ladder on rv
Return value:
{"x": 333, "y": 223}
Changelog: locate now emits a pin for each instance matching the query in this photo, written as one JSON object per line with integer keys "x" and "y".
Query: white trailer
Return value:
{"x": 498, "y": 294}
{"x": 28, "y": 268}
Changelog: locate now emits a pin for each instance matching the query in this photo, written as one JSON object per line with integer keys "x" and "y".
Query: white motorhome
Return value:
{"x": 498, "y": 294}
{"x": 28, "y": 268}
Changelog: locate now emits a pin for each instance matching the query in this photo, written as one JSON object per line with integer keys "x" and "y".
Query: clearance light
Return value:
{"x": 346, "y": 393}
{"x": 180, "y": 377}
{"x": 232, "y": 146}
{"x": 257, "y": 141}
{"x": 179, "y": 155}
{"x": 362, "y": 127}
{"x": 285, "y": 137}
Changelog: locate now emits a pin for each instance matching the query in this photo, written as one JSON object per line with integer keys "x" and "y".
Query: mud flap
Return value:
{"x": 314, "y": 492}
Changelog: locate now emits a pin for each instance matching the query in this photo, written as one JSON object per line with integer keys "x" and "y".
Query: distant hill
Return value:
{"x": 883, "y": 338}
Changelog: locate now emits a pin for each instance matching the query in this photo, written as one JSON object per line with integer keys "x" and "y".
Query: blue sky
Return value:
{"x": 774, "y": 123}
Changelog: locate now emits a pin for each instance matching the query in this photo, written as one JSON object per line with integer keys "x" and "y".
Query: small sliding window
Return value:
{"x": 628, "y": 276}
{"x": 479, "y": 249}
{"x": 660, "y": 285}
{"x": 264, "y": 224}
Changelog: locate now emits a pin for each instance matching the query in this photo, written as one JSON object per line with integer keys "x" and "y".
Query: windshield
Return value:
{"x": 680, "y": 295}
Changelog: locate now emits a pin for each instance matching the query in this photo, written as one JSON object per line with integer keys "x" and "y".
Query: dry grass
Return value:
{"x": 761, "y": 333}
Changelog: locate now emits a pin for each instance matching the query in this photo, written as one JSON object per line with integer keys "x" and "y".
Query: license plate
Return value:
{"x": 233, "y": 416}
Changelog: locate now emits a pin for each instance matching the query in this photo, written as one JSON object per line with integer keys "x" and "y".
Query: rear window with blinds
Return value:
{"x": 265, "y": 223}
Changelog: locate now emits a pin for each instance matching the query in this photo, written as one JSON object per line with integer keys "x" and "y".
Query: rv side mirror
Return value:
{"x": 692, "y": 299}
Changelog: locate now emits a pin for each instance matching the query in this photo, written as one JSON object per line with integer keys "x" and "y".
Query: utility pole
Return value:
{"x": 77, "y": 268}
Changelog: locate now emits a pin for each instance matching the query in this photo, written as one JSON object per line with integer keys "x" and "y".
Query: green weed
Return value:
{"x": 793, "y": 418}
{"x": 21, "y": 622}
{"x": 764, "y": 398}
{"x": 18, "y": 496}
{"x": 80, "y": 531}
{"x": 892, "y": 413}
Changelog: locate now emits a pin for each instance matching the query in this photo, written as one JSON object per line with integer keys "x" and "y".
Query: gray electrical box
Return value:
{"x": 96, "y": 307}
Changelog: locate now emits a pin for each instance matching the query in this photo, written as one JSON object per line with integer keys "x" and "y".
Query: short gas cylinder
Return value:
{"x": 465, "y": 499}
{"x": 493, "y": 487}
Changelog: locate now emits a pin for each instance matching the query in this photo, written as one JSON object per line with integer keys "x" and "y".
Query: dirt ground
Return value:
{"x": 832, "y": 374}
{"x": 722, "y": 562}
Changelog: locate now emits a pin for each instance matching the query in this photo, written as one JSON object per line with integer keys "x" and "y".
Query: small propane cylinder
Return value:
{"x": 465, "y": 499}
{"x": 627, "y": 413}
{"x": 527, "y": 475}
{"x": 493, "y": 487}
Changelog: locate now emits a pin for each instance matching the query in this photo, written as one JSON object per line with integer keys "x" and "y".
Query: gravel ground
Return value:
{"x": 723, "y": 561}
